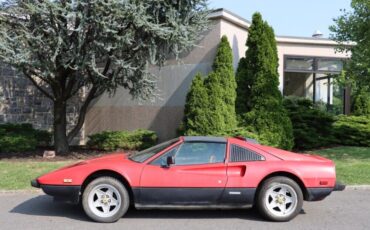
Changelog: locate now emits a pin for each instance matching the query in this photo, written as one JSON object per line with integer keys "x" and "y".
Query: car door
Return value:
{"x": 197, "y": 177}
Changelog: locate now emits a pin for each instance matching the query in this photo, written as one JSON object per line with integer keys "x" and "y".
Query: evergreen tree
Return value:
{"x": 259, "y": 101}
{"x": 195, "y": 119}
{"x": 221, "y": 87}
{"x": 210, "y": 104}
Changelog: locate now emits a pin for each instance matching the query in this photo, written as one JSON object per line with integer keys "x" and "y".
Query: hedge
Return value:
{"x": 22, "y": 137}
{"x": 312, "y": 127}
{"x": 352, "y": 130}
{"x": 127, "y": 140}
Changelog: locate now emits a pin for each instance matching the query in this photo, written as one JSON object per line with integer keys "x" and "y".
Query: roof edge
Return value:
{"x": 229, "y": 16}
{"x": 222, "y": 13}
{"x": 309, "y": 40}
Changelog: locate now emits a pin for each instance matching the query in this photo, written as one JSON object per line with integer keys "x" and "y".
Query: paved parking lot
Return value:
{"x": 349, "y": 209}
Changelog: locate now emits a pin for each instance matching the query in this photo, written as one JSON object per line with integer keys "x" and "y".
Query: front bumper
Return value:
{"x": 35, "y": 183}
{"x": 61, "y": 193}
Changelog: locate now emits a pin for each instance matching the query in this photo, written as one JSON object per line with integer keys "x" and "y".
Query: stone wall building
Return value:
{"x": 306, "y": 68}
{"x": 21, "y": 102}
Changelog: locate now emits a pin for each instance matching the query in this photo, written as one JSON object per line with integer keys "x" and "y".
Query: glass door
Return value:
{"x": 323, "y": 89}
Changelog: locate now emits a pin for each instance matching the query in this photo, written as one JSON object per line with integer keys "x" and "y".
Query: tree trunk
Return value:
{"x": 60, "y": 127}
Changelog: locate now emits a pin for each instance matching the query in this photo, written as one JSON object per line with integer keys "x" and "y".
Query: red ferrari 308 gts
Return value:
{"x": 195, "y": 172}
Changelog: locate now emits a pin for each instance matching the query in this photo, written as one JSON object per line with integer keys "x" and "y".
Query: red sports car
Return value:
{"x": 195, "y": 172}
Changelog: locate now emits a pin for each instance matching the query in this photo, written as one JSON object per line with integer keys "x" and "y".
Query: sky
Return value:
{"x": 289, "y": 17}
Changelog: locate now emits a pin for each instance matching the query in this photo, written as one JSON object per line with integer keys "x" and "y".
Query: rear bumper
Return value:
{"x": 339, "y": 186}
{"x": 316, "y": 194}
{"x": 68, "y": 194}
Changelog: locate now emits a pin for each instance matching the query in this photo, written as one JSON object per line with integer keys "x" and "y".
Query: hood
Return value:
{"x": 108, "y": 157}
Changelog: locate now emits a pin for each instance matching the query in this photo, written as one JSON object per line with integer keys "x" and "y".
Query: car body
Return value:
{"x": 195, "y": 172}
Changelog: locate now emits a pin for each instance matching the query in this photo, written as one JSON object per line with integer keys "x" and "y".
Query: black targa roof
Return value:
{"x": 205, "y": 139}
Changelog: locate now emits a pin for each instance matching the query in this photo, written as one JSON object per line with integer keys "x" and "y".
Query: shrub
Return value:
{"x": 17, "y": 143}
{"x": 221, "y": 87}
{"x": 22, "y": 137}
{"x": 259, "y": 101}
{"x": 312, "y": 127}
{"x": 361, "y": 104}
{"x": 210, "y": 103}
{"x": 128, "y": 140}
{"x": 352, "y": 130}
{"x": 195, "y": 117}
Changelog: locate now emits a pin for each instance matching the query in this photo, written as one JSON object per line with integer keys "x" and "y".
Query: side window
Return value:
{"x": 191, "y": 153}
{"x": 163, "y": 158}
{"x": 239, "y": 154}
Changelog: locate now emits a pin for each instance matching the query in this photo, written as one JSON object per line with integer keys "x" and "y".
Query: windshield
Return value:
{"x": 148, "y": 153}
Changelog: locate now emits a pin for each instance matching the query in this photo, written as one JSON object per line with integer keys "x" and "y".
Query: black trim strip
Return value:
{"x": 167, "y": 196}
{"x": 205, "y": 139}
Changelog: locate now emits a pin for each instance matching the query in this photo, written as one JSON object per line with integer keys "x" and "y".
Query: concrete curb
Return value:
{"x": 358, "y": 187}
{"x": 21, "y": 191}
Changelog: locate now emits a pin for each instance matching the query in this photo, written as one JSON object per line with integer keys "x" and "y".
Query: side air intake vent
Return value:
{"x": 239, "y": 154}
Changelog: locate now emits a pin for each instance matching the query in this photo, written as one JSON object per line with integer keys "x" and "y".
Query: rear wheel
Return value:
{"x": 280, "y": 199}
{"x": 105, "y": 199}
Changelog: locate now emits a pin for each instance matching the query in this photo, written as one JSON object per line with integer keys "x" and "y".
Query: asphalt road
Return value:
{"x": 349, "y": 209}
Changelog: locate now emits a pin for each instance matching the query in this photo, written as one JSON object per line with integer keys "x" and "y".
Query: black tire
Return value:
{"x": 124, "y": 201}
{"x": 262, "y": 196}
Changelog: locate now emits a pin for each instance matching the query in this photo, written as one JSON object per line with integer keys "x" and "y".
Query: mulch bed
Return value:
{"x": 76, "y": 153}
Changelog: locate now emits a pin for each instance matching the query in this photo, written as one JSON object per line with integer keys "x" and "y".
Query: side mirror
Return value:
{"x": 169, "y": 161}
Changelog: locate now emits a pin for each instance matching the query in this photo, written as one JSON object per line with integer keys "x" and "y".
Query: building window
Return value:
{"x": 314, "y": 78}
{"x": 299, "y": 63}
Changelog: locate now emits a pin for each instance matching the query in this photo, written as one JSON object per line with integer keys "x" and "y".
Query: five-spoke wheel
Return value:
{"x": 105, "y": 199}
{"x": 280, "y": 199}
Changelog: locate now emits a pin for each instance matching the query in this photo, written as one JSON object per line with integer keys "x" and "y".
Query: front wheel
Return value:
{"x": 280, "y": 199}
{"x": 105, "y": 199}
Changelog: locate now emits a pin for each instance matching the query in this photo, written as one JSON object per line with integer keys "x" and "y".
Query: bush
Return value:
{"x": 195, "y": 115}
{"x": 210, "y": 102}
{"x": 361, "y": 104}
{"x": 22, "y": 137}
{"x": 352, "y": 130}
{"x": 128, "y": 140}
{"x": 221, "y": 87}
{"x": 312, "y": 127}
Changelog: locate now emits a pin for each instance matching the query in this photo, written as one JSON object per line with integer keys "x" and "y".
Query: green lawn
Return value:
{"x": 352, "y": 163}
{"x": 17, "y": 175}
